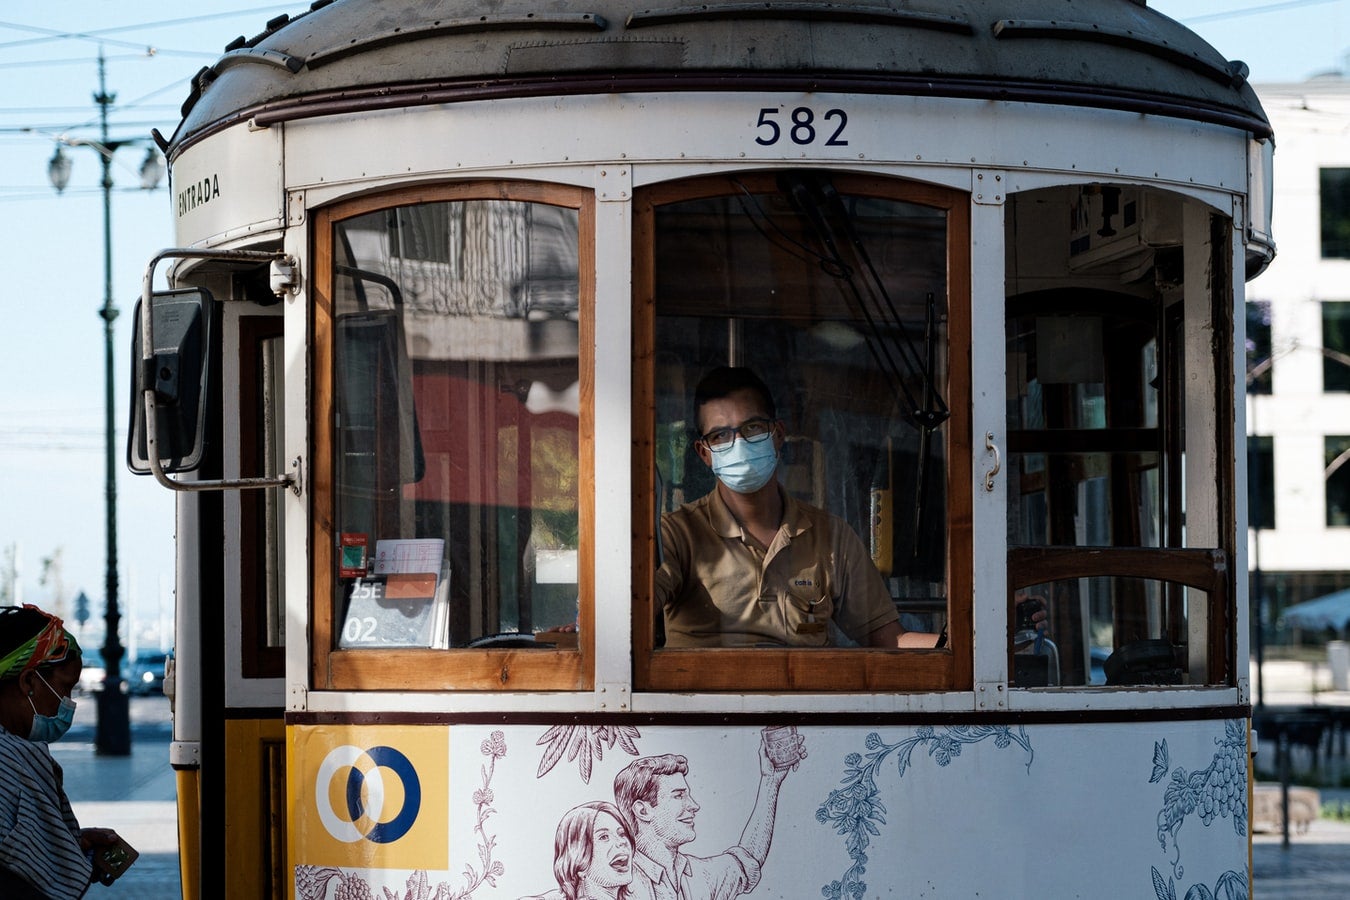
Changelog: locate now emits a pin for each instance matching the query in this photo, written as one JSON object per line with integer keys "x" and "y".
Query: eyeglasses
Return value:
{"x": 752, "y": 431}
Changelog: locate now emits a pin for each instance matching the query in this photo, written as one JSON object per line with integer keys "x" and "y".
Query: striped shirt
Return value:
{"x": 39, "y": 834}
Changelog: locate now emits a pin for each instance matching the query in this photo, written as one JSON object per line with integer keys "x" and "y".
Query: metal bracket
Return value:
{"x": 613, "y": 696}
{"x": 988, "y": 188}
{"x": 298, "y": 697}
{"x": 284, "y": 277}
{"x": 286, "y": 262}
{"x": 295, "y": 208}
{"x": 185, "y": 754}
{"x": 614, "y": 183}
{"x": 991, "y": 695}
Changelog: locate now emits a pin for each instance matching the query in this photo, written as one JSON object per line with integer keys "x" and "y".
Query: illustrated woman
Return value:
{"x": 593, "y": 853}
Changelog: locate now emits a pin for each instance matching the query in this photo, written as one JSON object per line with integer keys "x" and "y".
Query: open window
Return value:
{"x": 452, "y": 424}
{"x": 849, "y": 297}
{"x": 1117, "y": 471}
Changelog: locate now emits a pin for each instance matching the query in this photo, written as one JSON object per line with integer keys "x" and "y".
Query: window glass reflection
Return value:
{"x": 835, "y": 295}
{"x": 456, "y": 415}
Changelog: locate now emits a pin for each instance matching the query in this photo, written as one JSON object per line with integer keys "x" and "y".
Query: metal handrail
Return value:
{"x": 291, "y": 480}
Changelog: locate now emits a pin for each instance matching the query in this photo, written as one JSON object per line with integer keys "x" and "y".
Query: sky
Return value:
{"x": 52, "y": 421}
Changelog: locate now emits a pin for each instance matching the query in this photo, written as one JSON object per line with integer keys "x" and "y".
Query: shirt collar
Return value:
{"x": 654, "y": 871}
{"x": 725, "y": 524}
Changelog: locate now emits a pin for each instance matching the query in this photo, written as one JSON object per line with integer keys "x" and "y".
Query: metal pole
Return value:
{"x": 113, "y": 732}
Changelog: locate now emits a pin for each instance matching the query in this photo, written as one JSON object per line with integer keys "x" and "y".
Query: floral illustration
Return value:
{"x": 855, "y": 810}
{"x": 1217, "y": 790}
{"x": 585, "y": 744}
{"x": 1232, "y": 885}
{"x": 312, "y": 882}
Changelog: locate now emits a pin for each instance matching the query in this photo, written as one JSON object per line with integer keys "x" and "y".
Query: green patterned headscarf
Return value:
{"x": 49, "y": 645}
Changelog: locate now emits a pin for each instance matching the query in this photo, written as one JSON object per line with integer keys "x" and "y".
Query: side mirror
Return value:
{"x": 179, "y": 373}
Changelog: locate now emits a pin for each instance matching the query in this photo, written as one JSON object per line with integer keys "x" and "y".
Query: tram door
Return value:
{"x": 255, "y": 740}
{"x": 228, "y": 706}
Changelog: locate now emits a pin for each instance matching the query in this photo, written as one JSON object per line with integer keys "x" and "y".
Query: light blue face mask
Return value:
{"x": 51, "y": 728}
{"x": 746, "y": 466}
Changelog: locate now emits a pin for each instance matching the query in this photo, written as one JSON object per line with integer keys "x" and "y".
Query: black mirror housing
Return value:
{"x": 179, "y": 373}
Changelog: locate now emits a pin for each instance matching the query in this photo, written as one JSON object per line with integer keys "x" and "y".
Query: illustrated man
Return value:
{"x": 653, "y": 793}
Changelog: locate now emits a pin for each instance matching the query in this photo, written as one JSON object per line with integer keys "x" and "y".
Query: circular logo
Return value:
{"x": 364, "y": 793}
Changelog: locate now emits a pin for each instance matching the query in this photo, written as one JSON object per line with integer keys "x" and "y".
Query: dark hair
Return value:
{"x": 573, "y": 849}
{"x": 724, "y": 381}
{"x": 637, "y": 782}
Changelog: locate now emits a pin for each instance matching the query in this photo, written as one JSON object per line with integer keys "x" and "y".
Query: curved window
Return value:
{"x": 449, "y": 374}
{"x": 848, "y": 298}
{"x": 1118, "y": 471}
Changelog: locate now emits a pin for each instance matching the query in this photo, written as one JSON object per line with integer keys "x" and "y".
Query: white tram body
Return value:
{"x": 505, "y": 240}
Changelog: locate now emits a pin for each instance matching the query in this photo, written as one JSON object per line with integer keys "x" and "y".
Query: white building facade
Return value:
{"x": 1298, "y": 339}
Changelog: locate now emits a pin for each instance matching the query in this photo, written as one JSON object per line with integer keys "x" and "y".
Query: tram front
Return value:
{"x": 783, "y": 447}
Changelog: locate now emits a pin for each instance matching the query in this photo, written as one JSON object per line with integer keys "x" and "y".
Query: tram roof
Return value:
{"x": 344, "y": 55}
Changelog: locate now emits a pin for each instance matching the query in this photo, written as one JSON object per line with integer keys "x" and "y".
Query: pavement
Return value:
{"x": 135, "y": 796}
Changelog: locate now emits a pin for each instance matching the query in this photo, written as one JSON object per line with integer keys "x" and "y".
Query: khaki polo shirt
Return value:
{"x": 720, "y": 588}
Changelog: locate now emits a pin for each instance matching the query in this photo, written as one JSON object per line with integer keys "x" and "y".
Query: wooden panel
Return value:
{"x": 252, "y": 838}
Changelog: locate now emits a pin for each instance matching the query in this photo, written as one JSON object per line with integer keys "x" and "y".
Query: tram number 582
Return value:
{"x": 801, "y": 127}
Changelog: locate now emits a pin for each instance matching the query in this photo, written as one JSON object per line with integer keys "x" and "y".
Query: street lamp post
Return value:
{"x": 113, "y": 732}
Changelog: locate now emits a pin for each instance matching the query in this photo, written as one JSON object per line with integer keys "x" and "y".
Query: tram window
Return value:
{"x": 262, "y": 393}
{"x": 456, "y": 447}
{"x": 836, "y": 292}
{"x": 1114, "y": 631}
{"x": 1108, "y": 406}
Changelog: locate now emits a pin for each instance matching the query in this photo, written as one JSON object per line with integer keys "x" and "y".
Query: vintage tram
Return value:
{"x": 447, "y": 276}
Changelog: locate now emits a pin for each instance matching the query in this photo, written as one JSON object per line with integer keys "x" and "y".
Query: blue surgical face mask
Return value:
{"x": 51, "y": 728}
{"x": 746, "y": 466}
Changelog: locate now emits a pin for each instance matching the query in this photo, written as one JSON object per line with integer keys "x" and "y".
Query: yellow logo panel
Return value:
{"x": 369, "y": 796}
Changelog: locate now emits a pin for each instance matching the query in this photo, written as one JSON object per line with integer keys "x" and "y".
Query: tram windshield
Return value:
{"x": 836, "y": 291}
{"x": 456, "y": 410}
{"x": 838, "y": 301}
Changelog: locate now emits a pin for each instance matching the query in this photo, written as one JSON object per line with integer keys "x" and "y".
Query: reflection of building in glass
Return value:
{"x": 1298, "y": 358}
{"x": 457, "y": 374}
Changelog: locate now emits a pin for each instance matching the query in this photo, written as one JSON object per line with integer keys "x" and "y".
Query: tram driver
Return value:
{"x": 750, "y": 565}
{"x": 809, "y": 573}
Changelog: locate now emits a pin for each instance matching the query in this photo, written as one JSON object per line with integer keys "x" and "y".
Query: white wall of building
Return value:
{"x": 1312, "y": 131}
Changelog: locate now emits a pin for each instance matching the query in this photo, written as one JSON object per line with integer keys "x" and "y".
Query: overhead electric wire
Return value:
{"x": 99, "y": 34}
{"x": 1253, "y": 10}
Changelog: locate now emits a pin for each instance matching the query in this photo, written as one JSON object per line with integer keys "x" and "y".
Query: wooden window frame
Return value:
{"x": 435, "y": 669}
{"x": 860, "y": 670}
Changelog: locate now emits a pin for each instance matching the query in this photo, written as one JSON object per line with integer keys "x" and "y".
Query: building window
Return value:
{"x": 1261, "y": 481}
{"x": 1334, "y": 187}
{"x": 1258, "y": 347}
{"x": 1336, "y": 347}
{"x": 1338, "y": 480}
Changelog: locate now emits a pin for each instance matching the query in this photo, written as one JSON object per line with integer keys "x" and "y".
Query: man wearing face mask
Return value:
{"x": 43, "y": 851}
{"x": 750, "y": 565}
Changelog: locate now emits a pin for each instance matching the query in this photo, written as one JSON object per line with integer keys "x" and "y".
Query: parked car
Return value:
{"x": 145, "y": 675}
{"x": 91, "y": 676}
